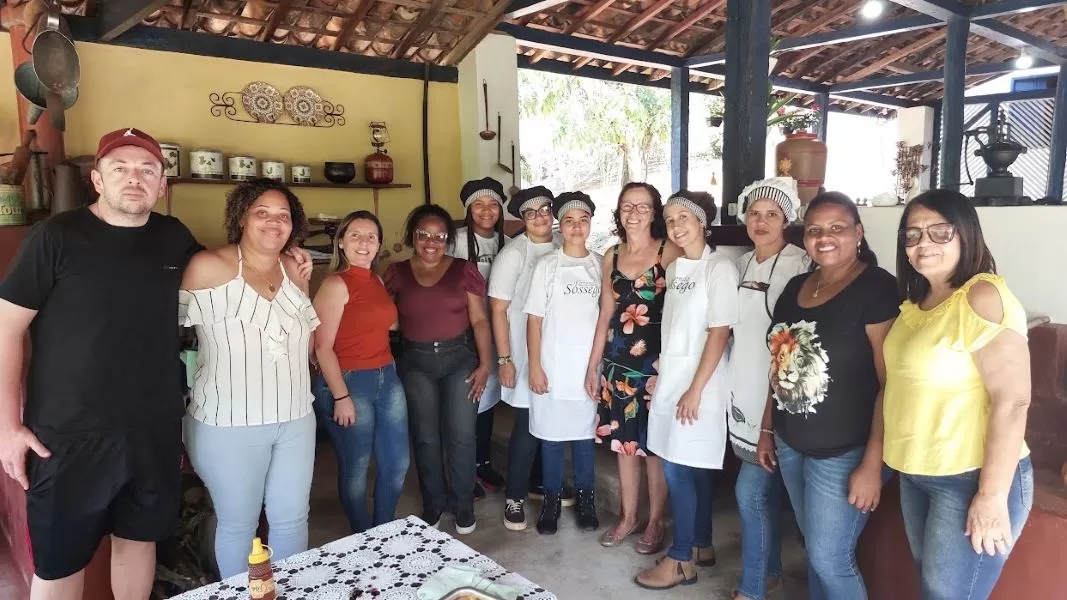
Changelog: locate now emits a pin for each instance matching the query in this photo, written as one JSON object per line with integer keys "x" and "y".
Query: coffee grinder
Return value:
{"x": 999, "y": 187}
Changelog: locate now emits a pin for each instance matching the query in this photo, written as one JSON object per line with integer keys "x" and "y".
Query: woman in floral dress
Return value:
{"x": 622, "y": 366}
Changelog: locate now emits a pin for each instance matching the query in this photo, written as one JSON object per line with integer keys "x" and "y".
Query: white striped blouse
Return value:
{"x": 252, "y": 354}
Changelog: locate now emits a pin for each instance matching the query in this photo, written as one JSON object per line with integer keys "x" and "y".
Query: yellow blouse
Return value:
{"x": 935, "y": 405}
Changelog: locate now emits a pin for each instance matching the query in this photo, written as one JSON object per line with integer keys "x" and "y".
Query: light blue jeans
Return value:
{"x": 818, "y": 489}
{"x": 248, "y": 468}
{"x": 935, "y": 518}
{"x": 759, "y": 503}
{"x": 381, "y": 430}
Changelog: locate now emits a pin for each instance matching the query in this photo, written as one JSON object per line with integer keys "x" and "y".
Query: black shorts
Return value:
{"x": 126, "y": 483}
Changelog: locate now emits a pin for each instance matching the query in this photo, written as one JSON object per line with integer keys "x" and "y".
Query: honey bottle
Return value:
{"x": 260, "y": 573}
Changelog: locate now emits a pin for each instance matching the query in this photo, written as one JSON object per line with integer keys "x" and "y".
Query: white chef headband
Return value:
{"x": 582, "y": 204}
{"x": 689, "y": 205}
{"x": 781, "y": 190}
{"x": 535, "y": 202}
{"x": 482, "y": 192}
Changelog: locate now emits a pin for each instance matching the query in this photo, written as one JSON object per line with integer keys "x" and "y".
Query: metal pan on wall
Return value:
{"x": 56, "y": 64}
{"x": 35, "y": 93}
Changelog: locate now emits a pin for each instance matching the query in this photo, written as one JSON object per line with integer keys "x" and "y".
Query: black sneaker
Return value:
{"x": 587, "y": 520}
{"x": 479, "y": 491}
{"x": 549, "y": 519}
{"x": 490, "y": 479}
{"x": 465, "y": 521}
{"x": 431, "y": 518}
{"x": 567, "y": 498}
{"x": 537, "y": 492}
{"x": 515, "y": 515}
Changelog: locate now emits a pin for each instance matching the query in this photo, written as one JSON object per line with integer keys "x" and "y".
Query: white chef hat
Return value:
{"x": 782, "y": 190}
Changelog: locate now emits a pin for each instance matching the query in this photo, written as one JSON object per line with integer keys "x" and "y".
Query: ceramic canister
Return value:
{"x": 243, "y": 168}
{"x": 206, "y": 164}
{"x": 301, "y": 174}
{"x": 273, "y": 169}
{"x": 12, "y": 206}
{"x": 172, "y": 156}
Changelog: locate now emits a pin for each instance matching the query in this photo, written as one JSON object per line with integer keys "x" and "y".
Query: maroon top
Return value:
{"x": 438, "y": 312}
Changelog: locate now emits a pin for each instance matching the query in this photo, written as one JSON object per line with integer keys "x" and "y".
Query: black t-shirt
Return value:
{"x": 105, "y": 338}
{"x": 823, "y": 379}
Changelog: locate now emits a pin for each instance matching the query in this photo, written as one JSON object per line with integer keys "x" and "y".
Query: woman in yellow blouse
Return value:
{"x": 956, "y": 396}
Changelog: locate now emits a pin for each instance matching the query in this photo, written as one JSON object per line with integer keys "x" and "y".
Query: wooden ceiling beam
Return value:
{"x": 919, "y": 44}
{"x": 357, "y": 16}
{"x": 827, "y": 19}
{"x": 714, "y": 40}
{"x": 579, "y": 19}
{"x": 116, "y": 17}
{"x": 189, "y": 16}
{"x": 633, "y": 25}
{"x": 850, "y": 56}
{"x": 477, "y": 33}
{"x": 280, "y": 10}
{"x": 422, "y": 24}
{"x": 697, "y": 15}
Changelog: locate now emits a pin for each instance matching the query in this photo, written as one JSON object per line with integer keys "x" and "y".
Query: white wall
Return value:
{"x": 1027, "y": 243}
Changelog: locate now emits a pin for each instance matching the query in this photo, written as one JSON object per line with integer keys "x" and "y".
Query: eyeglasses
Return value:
{"x": 429, "y": 236}
{"x": 939, "y": 233}
{"x": 532, "y": 213}
{"x": 641, "y": 209}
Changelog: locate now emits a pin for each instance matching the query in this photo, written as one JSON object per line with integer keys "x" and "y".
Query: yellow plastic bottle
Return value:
{"x": 260, "y": 573}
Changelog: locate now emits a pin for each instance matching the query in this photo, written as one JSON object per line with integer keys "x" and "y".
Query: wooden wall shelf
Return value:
{"x": 374, "y": 187}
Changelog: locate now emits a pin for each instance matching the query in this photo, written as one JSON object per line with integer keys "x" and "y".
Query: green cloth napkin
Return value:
{"x": 454, "y": 577}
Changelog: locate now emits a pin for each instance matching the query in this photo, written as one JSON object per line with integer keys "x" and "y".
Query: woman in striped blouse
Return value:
{"x": 249, "y": 427}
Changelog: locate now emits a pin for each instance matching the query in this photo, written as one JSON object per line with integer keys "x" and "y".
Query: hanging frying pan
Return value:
{"x": 56, "y": 64}
{"x": 35, "y": 93}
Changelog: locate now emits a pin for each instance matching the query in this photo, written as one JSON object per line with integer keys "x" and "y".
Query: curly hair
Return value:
{"x": 245, "y": 194}
{"x": 428, "y": 211}
{"x": 659, "y": 226}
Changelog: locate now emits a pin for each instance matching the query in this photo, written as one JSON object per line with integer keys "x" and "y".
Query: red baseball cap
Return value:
{"x": 128, "y": 137}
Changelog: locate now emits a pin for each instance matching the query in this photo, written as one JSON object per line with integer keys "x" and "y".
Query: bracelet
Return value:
{"x": 770, "y": 431}
{"x": 342, "y": 397}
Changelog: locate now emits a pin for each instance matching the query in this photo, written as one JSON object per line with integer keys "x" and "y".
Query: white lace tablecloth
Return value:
{"x": 389, "y": 562}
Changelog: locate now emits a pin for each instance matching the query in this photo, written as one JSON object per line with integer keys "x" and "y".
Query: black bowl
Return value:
{"x": 339, "y": 172}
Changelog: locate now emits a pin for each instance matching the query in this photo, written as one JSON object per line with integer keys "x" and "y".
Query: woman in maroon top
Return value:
{"x": 441, "y": 300}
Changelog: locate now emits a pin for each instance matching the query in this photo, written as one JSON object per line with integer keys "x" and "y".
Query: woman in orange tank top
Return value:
{"x": 358, "y": 394}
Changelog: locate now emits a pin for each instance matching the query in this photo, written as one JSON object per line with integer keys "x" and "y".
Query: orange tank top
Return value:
{"x": 362, "y": 340}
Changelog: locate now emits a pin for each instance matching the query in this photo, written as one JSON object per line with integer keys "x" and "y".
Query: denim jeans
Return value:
{"x": 523, "y": 448}
{"x": 759, "y": 503}
{"x": 251, "y": 468}
{"x": 818, "y": 489}
{"x": 553, "y": 461}
{"x": 381, "y": 430}
{"x": 442, "y": 419}
{"x": 690, "y": 494}
{"x": 935, "y": 518}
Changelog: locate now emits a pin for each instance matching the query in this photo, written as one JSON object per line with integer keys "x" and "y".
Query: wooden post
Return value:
{"x": 952, "y": 102}
{"x": 748, "y": 41}
{"x": 1058, "y": 150}
{"x": 822, "y": 104}
{"x": 679, "y": 129}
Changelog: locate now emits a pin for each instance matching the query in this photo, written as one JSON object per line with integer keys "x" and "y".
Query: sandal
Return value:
{"x": 608, "y": 539}
{"x": 680, "y": 579}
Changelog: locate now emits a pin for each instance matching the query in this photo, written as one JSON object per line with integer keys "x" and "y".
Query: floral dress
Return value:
{"x": 631, "y": 357}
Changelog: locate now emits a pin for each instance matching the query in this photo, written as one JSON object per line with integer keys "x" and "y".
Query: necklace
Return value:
{"x": 818, "y": 284}
{"x": 265, "y": 279}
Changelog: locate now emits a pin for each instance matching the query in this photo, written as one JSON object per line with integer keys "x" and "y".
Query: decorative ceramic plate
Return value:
{"x": 304, "y": 105}
{"x": 262, "y": 101}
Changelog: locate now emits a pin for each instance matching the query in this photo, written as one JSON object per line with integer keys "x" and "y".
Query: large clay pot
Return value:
{"x": 378, "y": 168}
{"x": 802, "y": 157}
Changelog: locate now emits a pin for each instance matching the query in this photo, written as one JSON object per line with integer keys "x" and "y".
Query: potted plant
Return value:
{"x": 715, "y": 111}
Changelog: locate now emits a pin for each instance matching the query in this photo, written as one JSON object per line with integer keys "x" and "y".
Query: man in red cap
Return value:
{"x": 98, "y": 446}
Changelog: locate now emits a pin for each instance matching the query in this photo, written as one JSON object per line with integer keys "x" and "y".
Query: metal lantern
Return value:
{"x": 378, "y": 167}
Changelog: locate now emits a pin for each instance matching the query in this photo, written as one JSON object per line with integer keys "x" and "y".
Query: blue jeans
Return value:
{"x": 818, "y": 489}
{"x": 759, "y": 503}
{"x": 690, "y": 495}
{"x": 247, "y": 469}
{"x": 552, "y": 463}
{"x": 935, "y": 518}
{"x": 381, "y": 429}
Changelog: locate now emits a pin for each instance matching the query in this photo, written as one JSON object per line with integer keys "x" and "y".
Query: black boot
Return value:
{"x": 586, "y": 509}
{"x": 549, "y": 519}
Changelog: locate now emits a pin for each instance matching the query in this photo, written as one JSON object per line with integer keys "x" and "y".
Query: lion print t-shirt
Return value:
{"x": 823, "y": 379}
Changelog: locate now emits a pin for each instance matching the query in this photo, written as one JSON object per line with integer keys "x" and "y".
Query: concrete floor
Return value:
{"x": 571, "y": 564}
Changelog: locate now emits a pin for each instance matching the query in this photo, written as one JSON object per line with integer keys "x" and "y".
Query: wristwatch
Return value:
{"x": 503, "y": 360}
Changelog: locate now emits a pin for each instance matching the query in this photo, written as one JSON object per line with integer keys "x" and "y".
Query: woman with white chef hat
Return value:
{"x": 563, "y": 307}
{"x": 687, "y": 419}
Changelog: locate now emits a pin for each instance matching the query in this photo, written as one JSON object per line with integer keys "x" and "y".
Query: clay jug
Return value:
{"x": 802, "y": 157}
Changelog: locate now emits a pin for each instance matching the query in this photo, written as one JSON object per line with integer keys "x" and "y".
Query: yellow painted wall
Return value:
{"x": 166, "y": 94}
{"x": 9, "y": 128}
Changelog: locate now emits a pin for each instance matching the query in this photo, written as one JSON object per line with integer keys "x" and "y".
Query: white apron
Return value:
{"x": 685, "y": 318}
{"x": 566, "y": 412}
{"x": 519, "y": 396}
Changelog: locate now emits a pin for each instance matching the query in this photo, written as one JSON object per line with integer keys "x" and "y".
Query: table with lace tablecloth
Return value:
{"x": 388, "y": 562}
